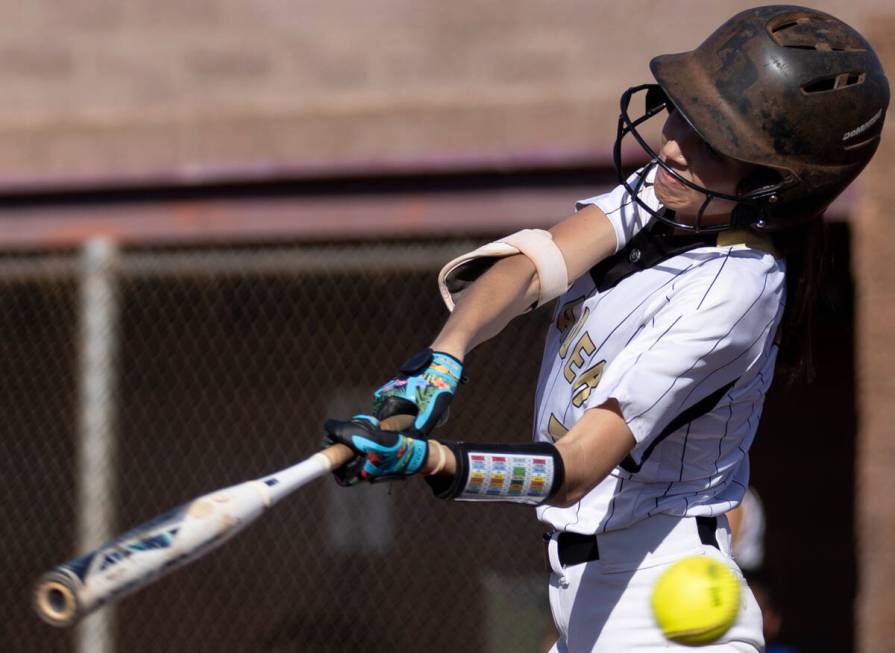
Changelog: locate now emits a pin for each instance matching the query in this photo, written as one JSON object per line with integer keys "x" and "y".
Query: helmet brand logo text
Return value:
{"x": 867, "y": 125}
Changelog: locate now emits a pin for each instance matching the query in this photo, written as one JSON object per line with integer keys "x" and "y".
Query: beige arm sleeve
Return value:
{"x": 536, "y": 244}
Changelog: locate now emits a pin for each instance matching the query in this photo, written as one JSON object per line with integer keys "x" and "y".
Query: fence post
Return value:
{"x": 97, "y": 382}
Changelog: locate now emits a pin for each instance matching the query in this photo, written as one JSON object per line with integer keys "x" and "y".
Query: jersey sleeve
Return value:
{"x": 711, "y": 327}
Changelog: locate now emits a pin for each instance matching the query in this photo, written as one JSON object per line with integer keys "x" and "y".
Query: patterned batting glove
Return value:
{"x": 423, "y": 389}
{"x": 382, "y": 455}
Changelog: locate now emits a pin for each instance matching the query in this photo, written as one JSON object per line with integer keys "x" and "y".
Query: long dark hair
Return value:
{"x": 804, "y": 250}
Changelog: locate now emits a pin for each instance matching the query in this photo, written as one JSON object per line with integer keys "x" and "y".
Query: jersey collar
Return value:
{"x": 749, "y": 239}
{"x": 656, "y": 243}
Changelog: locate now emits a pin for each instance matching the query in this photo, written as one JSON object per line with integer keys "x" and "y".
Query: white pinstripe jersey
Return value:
{"x": 686, "y": 346}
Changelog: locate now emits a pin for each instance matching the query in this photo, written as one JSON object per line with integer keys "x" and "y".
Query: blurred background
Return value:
{"x": 221, "y": 221}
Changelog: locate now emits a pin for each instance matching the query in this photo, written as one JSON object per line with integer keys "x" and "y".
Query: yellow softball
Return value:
{"x": 696, "y": 600}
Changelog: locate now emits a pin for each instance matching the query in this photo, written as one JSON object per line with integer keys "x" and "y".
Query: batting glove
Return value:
{"x": 381, "y": 455}
{"x": 423, "y": 389}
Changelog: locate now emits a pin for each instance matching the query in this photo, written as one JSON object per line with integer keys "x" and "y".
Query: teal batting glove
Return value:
{"x": 381, "y": 455}
{"x": 423, "y": 389}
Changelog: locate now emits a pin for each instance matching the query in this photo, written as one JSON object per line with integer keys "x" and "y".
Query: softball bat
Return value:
{"x": 74, "y": 589}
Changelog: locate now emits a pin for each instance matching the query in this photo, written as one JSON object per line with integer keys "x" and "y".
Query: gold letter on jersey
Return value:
{"x": 573, "y": 333}
{"x": 584, "y": 346}
{"x": 586, "y": 382}
{"x": 555, "y": 428}
{"x": 568, "y": 314}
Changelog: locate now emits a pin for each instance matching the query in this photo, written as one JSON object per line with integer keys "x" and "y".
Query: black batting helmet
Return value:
{"x": 790, "y": 89}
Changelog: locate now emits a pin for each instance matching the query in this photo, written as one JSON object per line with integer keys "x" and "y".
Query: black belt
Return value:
{"x": 575, "y": 548}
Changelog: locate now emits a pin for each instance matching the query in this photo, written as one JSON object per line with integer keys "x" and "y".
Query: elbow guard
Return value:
{"x": 516, "y": 473}
{"x": 536, "y": 244}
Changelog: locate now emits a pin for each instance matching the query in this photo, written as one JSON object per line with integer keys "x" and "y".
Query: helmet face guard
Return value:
{"x": 749, "y": 206}
{"x": 791, "y": 90}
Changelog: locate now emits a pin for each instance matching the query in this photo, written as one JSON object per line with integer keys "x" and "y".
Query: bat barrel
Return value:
{"x": 123, "y": 565}
{"x": 55, "y": 599}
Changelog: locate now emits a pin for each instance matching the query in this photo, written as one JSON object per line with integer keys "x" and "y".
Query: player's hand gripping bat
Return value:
{"x": 130, "y": 561}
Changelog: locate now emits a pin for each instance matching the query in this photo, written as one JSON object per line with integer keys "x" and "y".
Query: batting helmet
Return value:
{"x": 790, "y": 89}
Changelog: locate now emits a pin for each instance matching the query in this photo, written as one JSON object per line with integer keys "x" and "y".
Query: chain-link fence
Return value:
{"x": 135, "y": 380}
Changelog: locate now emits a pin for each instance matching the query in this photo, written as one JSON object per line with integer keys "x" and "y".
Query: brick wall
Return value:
{"x": 873, "y": 253}
{"x": 99, "y": 91}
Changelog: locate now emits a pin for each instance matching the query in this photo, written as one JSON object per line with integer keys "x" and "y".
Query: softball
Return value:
{"x": 696, "y": 600}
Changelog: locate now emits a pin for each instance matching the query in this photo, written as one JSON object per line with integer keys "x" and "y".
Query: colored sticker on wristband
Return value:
{"x": 508, "y": 477}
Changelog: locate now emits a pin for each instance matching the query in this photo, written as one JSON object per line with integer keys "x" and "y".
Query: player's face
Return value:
{"x": 692, "y": 158}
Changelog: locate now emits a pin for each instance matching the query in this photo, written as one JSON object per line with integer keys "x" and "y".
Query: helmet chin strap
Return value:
{"x": 708, "y": 199}
{"x": 746, "y": 215}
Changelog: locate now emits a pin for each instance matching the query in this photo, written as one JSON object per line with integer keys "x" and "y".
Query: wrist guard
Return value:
{"x": 517, "y": 473}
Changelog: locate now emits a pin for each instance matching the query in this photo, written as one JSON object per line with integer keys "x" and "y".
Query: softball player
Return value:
{"x": 672, "y": 290}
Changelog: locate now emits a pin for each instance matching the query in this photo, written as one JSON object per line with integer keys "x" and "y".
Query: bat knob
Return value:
{"x": 55, "y": 602}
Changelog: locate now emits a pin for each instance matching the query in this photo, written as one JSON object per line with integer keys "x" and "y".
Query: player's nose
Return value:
{"x": 679, "y": 139}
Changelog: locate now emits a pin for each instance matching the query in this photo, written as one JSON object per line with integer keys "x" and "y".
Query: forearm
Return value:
{"x": 507, "y": 289}
{"x": 511, "y": 286}
{"x": 589, "y": 452}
